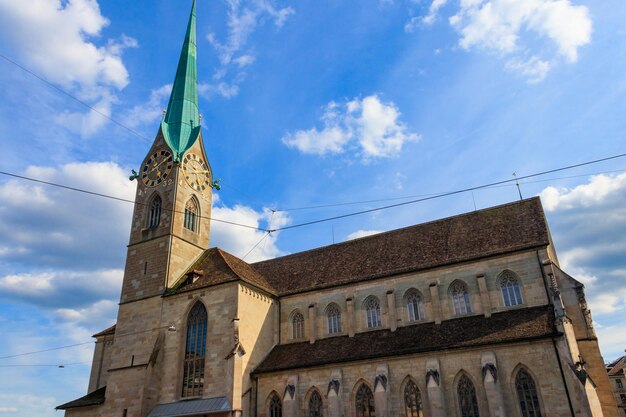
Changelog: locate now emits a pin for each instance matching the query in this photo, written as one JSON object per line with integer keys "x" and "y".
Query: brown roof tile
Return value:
{"x": 106, "y": 332}
{"x": 218, "y": 266}
{"x": 93, "y": 398}
{"x": 617, "y": 366}
{"x": 510, "y": 227}
{"x": 504, "y": 327}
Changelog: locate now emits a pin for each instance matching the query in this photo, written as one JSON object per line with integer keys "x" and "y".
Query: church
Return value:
{"x": 465, "y": 316}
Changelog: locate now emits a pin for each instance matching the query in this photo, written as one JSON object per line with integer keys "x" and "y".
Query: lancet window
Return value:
{"x": 315, "y": 405}
{"x": 510, "y": 287}
{"x": 297, "y": 325}
{"x": 460, "y": 298}
{"x": 364, "y": 402}
{"x": 372, "y": 312}
{"x": 527, "y": 394}
{"x": 466, "y": 393}
{"x": 414, "y": 305}
{"x": 276, "y": 409}
{"x": 192, "y": 215}
{"x": 333, "y": 315}
{"x": 195, "y": 351}
{"x": 155, "y": 212}
{"x": 412, "y": 400}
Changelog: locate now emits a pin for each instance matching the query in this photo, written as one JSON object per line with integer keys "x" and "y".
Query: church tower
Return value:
{"x": 170, "y": 226}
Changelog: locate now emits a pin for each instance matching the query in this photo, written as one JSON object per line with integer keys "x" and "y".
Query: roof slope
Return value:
{"x": 217, "y": 266}
{"x": 106, "y": 332}
{"x": 504, "y": 327}
{"x": 497, "y": 230}
{"x": 617, "y": 366}
{"x": 93, "y": 398}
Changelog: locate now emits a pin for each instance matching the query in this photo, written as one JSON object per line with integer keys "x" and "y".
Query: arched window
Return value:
{"x": 195, "y": 350}
{"x": 315, "y": 405}
{"x": 414, "y": 305}
{"x": 511, "y": 291}
{"x": 364, "y": 402}
{"x": 412, "y": 400}
{"x": 527, "y": 394}
{"x": 334, "y": 318}
{"x": 192, "y": 214}
{"x": 372, "y": 312}
{"x": 276, "y": 409}
{"x": 155, "y": 212}
{"x": 460, "y": 298}
{"x": 297, "y": 325}
{"x": 466, "y": 393}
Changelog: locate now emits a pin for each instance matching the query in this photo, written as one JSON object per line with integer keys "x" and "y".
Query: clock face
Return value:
{"x": 157, "y": 168}
{"x": 196, "y": 172}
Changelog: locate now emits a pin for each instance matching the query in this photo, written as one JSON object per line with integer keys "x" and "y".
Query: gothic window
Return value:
{"x": 511, "y": 291}
{"x": 315, "y": 405}
{"x": 412, "y": 400}
{"x": 372, "y": 312}
{"x": 414, "y": 305}
{"x": 155, "y": 212}
{"x": 192, "y": 214}
{"x": 364, "y": 402}
{"x": 195, "y": 350}
{"x": 275, "y": 406}
{"x": 334, "y": 318}
{"x": 460, "y": 298}
{"x": 297, "y": 325}
{"x": 466, "y": 393}
{"x": 527, "y": 394}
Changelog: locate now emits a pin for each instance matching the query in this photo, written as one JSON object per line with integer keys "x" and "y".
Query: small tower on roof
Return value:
{"x": 170, "y": 228}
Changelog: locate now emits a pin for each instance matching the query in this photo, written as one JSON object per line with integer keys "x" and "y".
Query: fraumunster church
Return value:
{"x": 466, "y": 316}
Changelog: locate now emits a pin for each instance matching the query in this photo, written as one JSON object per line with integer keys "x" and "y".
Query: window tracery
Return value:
{"x": 372, "y": 312}
{"x": 315, "y": 405}
{"x": 412, "y": 400}
{"x": 195, "y": 351}
{"x": 460, "y": 298}
{"x": 192, "y": 215}
{"x": 466, "y": 393}
{"x": 364, "y": 402}
{"x": 527, "y": 394}
{"x": 297, "y": 325}
{"x": 511, "y": 290}
{"x": 275, "y": 408}
{"x": 414, "y": 305}
{"x": 155, "y": 212}
{"x": 333, "y": 315}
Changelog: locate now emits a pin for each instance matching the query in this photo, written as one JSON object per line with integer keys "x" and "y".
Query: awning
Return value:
{"x": 191, "y": 407}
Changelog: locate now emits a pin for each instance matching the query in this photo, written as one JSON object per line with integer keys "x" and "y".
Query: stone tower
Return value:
{"x": 170, "y": 226}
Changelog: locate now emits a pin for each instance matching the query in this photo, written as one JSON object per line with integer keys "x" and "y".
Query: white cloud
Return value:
{"x": 151, "y": 111}
{"x": 369, "y": 124}
{"x": 241, "y": 241}
{"x": 243, "y": 19}
{"x": 597, "y": 191}
{"x": 511, "y": 28}
{"x": 56, "y": 40}
{"x": 362, "y": 233}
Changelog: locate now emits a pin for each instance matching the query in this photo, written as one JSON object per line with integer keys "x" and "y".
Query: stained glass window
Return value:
{"x": 527, "y": 394}
{"x": 276, "y": 409}
{"x": 195, "y": 351}
{"x": 466, "y": 393}
{"x": 412, "y": 400}
{"x": 364, "y": 402}
{"x": 315, "y": 405}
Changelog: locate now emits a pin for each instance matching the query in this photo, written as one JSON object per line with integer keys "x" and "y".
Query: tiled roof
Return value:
{"x": 191, "y": 407}
{"x": 617, "y": 366}
{"x": 93, "y": 398}
{"x": 217, "y": 266}
{"x": 504, "y": 327}
{"x": 510, "y": 227}
{"x": 106, "y": 332}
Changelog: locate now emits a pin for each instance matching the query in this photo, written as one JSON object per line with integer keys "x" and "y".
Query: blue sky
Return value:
{"x": 304, "y": 104}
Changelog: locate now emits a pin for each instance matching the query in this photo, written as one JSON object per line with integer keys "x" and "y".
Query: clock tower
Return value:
{"x": 170, "y": 226}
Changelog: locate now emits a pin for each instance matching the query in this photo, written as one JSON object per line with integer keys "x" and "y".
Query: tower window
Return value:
{"x": 195, "y": 351}
{"x": 155, "y": 212}
{"x": 192, "y": 214}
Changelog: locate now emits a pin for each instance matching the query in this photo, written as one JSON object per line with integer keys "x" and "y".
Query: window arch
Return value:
{"x": 364, "y": 402}
{"x": 466, "y": 395}
{"x": 460, "y": 298}
{"x": 510, "y": 287}
{"x": 195, "y": 351}
{"x": 372, "y": 312}
{"x": 275, "y": 406}
{"x": 192, "y": 214}
{"x": 154, "y": 216}
{"x": 333, "y": 315}
{"x": 297, "y": 325}
{"x": 412, "y": 400}
{"x": 527, "y": 394}
{"x": 315, "y": 405}
{"x": 414, "y": 305}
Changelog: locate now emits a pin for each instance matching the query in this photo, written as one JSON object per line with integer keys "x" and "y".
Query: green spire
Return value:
{"x": 181, "y": 124}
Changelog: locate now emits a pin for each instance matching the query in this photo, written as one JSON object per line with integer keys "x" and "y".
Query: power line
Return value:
{"x": 257, "y": 244}
{"x": 446, "y": 194}
{"x": 125, "y": 200}
{"x": 62, "y": 91}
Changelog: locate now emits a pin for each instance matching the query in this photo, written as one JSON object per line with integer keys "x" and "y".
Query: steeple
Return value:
{"x": 181, "y": 124}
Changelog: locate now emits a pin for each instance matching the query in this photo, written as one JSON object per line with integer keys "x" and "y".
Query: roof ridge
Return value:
{"x": 397, "y": 231}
